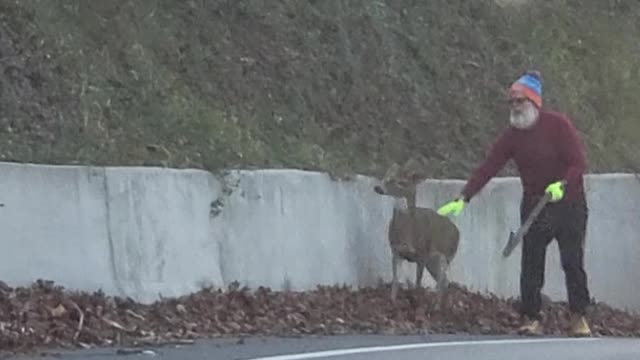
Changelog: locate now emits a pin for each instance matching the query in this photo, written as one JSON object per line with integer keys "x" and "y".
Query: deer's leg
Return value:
{"x": 420, "y": 265}
{"x": 437, "y": 266}
{"x": 394, "y": 281}
{"x": 442, "y": 265}
{"x": 442, "y": 280}
{"x": 433, "y": 267}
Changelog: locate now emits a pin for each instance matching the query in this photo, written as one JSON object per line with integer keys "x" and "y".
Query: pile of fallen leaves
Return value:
{"x": 45, "y": 315}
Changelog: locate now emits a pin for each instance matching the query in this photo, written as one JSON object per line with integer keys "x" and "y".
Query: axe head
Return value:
{"x": 511, "y": 244}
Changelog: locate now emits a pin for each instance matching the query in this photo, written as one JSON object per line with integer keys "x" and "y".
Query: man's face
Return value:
{"x": 523, "y": 112}
{"x": 518, "y": 103}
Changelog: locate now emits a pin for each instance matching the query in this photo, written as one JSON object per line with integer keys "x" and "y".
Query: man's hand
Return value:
{"x": 453, "y": 207}
{"x": 556, "y": 190}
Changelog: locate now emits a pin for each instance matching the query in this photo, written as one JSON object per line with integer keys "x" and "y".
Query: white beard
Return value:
{"x": 525, "y": 119}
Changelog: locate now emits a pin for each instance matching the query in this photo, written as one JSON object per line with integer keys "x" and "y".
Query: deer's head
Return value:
{"x": 401, "y": 183}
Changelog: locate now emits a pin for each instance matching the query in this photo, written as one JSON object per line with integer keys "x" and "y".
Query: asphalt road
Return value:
{"x": 376, "y": 348}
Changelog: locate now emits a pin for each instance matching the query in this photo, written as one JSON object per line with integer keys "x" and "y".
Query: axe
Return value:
{"x": 515, "y": 239}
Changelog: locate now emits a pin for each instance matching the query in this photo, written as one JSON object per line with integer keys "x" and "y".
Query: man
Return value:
{"x": 546, "y": 149}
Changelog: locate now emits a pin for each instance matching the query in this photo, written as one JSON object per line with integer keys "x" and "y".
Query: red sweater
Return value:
{"x": 550, "y": 151}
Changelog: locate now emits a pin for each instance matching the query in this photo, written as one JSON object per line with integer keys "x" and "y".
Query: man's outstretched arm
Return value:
{"x": 499, "y": 153}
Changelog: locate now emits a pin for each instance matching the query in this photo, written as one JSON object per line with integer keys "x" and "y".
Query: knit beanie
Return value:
{"x": 529, "y": 84}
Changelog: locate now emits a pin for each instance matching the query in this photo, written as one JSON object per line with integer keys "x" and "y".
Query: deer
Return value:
{"x": 416, "y": 234}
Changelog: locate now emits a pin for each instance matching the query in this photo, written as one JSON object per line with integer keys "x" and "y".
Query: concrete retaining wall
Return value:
{"x": 149, "y": 232}
{"x": 298, "y": 229}
{"x": 128, "y": 231}
{"x": 159, "y": 231}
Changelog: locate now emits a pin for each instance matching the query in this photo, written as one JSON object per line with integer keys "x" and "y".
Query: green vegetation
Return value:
{"x": 346, "y": 86}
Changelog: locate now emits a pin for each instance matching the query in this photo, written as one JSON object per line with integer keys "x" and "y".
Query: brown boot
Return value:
{"x": 530, "y": 327}
{"x": 579, "y": 326}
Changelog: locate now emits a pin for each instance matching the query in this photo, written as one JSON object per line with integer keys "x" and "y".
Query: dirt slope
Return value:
{"x": 344, "y": 86}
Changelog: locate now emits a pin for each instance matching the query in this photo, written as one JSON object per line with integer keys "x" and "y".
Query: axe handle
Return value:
{"x": 527, "y": 224}
{"x": 532, "y": 216}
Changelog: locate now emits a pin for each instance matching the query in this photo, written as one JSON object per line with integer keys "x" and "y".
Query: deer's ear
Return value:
{"x": 391, "y": 172}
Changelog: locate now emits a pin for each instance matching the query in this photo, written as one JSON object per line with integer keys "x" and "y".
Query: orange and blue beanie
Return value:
{"x": 530, "y": 85}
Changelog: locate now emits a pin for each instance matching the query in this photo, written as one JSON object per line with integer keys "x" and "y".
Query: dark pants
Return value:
{"x": 566, "y": 222}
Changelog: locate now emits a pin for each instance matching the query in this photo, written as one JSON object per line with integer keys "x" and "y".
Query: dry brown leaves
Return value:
{"x": 44, "y": 315}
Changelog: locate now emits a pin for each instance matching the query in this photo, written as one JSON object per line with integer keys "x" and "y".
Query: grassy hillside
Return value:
{"x": 339, "y": 85}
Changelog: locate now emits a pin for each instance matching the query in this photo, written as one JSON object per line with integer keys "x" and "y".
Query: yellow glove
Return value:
{"x": 556, "y": 190}
{"x": 453, "y": 207}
